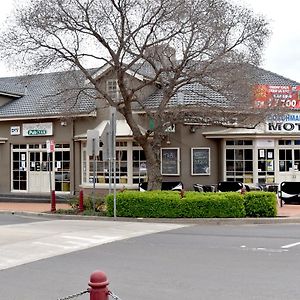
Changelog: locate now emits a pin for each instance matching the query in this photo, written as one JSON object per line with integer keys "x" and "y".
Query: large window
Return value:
{"x": 31, "y": 164}
{"x": 200, "y": 161}
{"x": 19, "y": 168}
{"x": 289, "y": 155}
{"x": 239, "y": 160}
{"x": 130, "y": 165}
{"x": 170, "y": 161}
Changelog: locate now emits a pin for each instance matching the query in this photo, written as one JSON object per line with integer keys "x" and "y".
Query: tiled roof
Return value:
{"x": 49, "y": 94}
{"x": 195, "y": 93}
{"x": 57, "y": 94}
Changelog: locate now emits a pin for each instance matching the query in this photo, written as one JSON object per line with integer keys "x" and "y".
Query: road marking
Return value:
{"x": 79, "y": 238}
{"x": 290, "y": 245}
{"x": 28, "y": 242}
{"x": 264, "y": 249}
{"x": 52, "y": 245}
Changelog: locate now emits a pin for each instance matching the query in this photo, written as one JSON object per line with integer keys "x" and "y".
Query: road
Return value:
{"x": 150, "y": 261}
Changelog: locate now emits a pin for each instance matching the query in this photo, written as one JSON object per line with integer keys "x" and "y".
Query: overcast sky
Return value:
{"x": 282, "y": 54}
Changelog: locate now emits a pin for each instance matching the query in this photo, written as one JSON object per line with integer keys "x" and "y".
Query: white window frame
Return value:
{"x": 192, "y": 161}
{"x": 109, "y": 92}
{"x": 178, "y": 161}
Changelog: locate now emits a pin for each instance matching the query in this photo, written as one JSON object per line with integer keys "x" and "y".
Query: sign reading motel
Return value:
{"x": 289, "y": 123}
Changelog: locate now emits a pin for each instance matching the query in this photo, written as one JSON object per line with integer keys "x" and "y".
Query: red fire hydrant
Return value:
{"x": 98, "y": 283}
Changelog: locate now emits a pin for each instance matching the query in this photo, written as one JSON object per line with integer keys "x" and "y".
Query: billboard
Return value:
{"x": 277, "y": 96}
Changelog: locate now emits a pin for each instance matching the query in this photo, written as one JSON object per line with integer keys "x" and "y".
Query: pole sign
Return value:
{"x": 92, "y": 143}
{"x": 106, "y": 142}
{"x": 50, "y": 145}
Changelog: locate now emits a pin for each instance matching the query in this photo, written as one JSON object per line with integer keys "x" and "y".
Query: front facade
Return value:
{"x": 43, "y": 144}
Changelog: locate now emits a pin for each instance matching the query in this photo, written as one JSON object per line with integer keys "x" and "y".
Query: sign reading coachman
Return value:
{"x": 37, "y": 129}
{"x": 283, "y": 123}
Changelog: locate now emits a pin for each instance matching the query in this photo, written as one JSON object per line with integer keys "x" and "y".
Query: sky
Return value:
{"x": 282, "y": 52}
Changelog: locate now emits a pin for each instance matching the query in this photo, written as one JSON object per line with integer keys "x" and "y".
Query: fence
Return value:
{"x": 98, "y": 288}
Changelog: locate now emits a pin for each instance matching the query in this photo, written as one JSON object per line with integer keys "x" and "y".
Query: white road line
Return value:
{"x": 52, "y": 245}
{"x": 290, "y": 245}
{"x": 89, "y": 240}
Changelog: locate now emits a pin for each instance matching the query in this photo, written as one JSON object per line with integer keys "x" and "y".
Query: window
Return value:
{"x": 289, "y": 155}
{"x": 62, "y": 167}
{"x": 139, "y": 168}
{"x": 239, "y": 161}
{"x": 200, "y": 161}
{"x": 19, "y": 165}
{"x": 130, "y": 165}
{"x": 285, "y": 160}
{"x": 170, "y": 161}
{"x": 112, "y": 89}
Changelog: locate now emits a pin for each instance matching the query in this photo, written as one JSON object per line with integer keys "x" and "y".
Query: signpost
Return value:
{"x": 92, "y": 148}
{"x": 50, "y": 146}
{"x": 108, "y": 139}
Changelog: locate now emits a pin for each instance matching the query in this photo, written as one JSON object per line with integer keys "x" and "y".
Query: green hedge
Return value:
{"x": 260, "y": 204}
{"x": 168, "y": 204}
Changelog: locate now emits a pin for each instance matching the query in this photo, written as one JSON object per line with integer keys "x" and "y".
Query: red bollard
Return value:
{"x": 53, "y": 202}
{"x": 98, "y": 283}
{"x": 81, "y": 201}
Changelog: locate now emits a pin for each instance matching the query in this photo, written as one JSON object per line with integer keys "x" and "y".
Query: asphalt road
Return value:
{"x": 192, "y": 262}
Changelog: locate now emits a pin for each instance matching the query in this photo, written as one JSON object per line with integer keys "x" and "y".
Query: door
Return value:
{"x": 289, "y": 165}
{"x": 266, "y": 166}
{"x": 39, "y": 177}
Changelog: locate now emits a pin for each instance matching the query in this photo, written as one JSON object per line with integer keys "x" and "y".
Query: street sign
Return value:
{"x": 106, "y": 142}
{"x": 92, "y": 144}
{"x": 50, "y": 145}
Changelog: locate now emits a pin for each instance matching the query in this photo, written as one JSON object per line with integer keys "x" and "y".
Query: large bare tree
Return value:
{"x": 194, "y": 46}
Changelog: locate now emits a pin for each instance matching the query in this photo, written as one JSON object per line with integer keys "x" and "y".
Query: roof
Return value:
{"x": 195, "y": 93}
{"x": 67, "y": 93}
{"x": 49, "y": 94}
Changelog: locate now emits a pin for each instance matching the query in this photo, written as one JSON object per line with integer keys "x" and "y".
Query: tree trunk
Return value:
{"x": 153, "y": 166}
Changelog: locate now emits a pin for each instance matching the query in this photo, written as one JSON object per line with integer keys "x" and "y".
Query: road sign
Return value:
{"x": 50, "y": 145}
{"x": 92, "y": 144}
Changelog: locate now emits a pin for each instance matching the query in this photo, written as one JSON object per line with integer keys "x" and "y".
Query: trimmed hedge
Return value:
{"x": 260, "y": 204}
{"x": 168, "y": 204}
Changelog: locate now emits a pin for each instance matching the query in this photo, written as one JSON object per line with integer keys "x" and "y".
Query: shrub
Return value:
{"x": 260, "y": 204}
{"x": 168, "y": 204}
{"x": 88, "y": 204}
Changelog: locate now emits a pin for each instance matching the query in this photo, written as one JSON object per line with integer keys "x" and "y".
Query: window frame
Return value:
{"x": 208, "y": 161}
{"x": 177, "y": 149}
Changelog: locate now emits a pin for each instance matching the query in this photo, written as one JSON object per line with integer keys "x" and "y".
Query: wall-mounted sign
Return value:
{"x": 283, "y": 123}
{"x": 276, "y": 96}
{"x": 37, "y": 129}
{"x": 15, "y": 130}
{"x": 170, "y": 128}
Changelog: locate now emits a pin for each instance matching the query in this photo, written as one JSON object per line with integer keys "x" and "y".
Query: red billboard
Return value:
{"x": 276, "y": 96}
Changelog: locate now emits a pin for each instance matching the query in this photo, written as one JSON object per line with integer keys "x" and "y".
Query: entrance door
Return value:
{"x": 289, "y": 165}
{"x": 39, "y": 178}
{"x": 266, "y": 166}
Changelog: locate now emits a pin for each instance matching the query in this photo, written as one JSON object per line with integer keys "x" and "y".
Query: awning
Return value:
{"x": 122, "y": 129}
{"x": 234, "y": 132}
